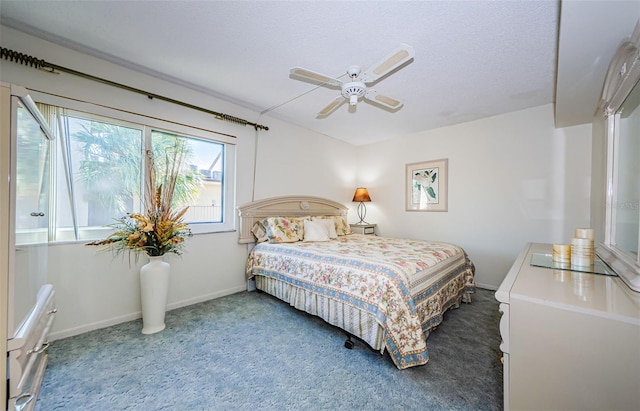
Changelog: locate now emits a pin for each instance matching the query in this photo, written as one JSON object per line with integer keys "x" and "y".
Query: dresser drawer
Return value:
{"x": 27, "y": 348}
{"x": 26, "y": 400}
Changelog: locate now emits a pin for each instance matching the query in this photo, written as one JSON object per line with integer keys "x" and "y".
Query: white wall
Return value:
{"x": 94, "y": 290}
{"x": 513, "y": 179}
{"x": 293, "y": 160}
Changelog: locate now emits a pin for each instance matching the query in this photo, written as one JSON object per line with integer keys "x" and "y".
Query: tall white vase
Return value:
{"x": 154, "y": 288}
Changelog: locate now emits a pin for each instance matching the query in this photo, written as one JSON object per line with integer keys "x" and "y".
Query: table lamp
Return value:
{"x": 361, "y": 195}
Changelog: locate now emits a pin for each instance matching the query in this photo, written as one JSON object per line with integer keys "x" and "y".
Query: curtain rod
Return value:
{"x": 34, "y": 62}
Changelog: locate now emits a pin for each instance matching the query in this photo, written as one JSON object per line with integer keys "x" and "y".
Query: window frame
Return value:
{"x": 148, "y": 124}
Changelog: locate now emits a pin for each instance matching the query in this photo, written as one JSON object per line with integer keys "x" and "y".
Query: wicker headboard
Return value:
{"x": 284, "y": 206}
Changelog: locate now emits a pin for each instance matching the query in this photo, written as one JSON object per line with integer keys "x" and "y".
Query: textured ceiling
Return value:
{"x": 473, "y": 59}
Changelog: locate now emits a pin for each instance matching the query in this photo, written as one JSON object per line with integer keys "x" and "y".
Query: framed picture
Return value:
{"x": 427, "y": 186}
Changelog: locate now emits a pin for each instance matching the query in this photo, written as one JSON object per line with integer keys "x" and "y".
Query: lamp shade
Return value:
{"x": 361, "y": 195}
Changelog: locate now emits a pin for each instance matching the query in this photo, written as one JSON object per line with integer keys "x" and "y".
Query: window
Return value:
{"x": 98, "y": 167}
{"x": 32, "y": 168}
{"x": 201, "y": 187}
{"x": 97, "y": 175}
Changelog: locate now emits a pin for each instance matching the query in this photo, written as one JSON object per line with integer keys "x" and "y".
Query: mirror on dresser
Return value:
{"x": 619, "y": 105}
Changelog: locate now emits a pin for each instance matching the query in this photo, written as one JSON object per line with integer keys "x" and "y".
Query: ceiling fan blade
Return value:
{"x": 389, "y": 63}
{"x": 314, "y": 76}
{"x": 386, "y": 101}
{"x": 330, "y": 108}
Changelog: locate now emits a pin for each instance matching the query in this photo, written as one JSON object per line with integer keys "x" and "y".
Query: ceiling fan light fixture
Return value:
{"x": 353, "y": 91}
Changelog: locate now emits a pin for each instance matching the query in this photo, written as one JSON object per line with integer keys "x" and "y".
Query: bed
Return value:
{"x": 388, "y": 292}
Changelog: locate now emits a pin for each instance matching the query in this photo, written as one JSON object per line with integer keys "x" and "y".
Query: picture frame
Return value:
{"x": 426, "y": 185}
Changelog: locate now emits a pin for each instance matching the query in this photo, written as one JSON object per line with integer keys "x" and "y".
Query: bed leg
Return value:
{"x": 466, "y": 298}
{"x": 349, "y": 343}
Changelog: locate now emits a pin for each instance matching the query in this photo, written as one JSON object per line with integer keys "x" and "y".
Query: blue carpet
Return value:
{"x": 249, "y": 351}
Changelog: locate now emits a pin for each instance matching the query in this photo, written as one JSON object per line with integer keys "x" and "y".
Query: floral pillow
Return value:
{"x": 340, "y": 224}
{"x": 342, "y": 227}
{"x": 283, "y": 230}
{"x": 260, "y": 232}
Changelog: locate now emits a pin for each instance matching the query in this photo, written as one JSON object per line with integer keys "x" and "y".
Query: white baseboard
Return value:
{"x": 70, "y": 332}
{"x": 204, "y": 298}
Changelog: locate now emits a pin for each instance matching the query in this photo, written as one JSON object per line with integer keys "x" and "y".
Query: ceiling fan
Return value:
{"x": 356, "y": 86}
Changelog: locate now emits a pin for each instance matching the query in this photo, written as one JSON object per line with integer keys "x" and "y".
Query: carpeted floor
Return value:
{"x": 249, "y": 351}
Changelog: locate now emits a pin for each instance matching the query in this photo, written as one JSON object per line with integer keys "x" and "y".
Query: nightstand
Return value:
{"x": 363, "y": 228}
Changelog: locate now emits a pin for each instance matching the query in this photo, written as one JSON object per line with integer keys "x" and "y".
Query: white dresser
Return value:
{"x": 27, "y": 352}
{"x": 571, "y": 340}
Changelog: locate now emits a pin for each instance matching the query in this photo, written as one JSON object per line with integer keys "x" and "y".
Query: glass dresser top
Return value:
{"x": 546, "y": 261}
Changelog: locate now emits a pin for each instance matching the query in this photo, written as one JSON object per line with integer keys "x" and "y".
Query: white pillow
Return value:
{"x": 330, "y": 225}
{"x": 315, "y": 231}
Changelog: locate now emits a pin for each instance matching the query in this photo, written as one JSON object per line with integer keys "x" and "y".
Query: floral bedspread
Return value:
{"x": 406, "y": 284}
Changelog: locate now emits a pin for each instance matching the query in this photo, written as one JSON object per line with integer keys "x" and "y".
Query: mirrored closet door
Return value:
{"x": 31, "y": 165}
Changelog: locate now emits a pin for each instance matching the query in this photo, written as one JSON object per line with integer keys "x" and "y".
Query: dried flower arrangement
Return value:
{"x": 159, "y": 230}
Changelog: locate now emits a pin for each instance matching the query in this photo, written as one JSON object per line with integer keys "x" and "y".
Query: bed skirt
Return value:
{"x": 351, "y": 319}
